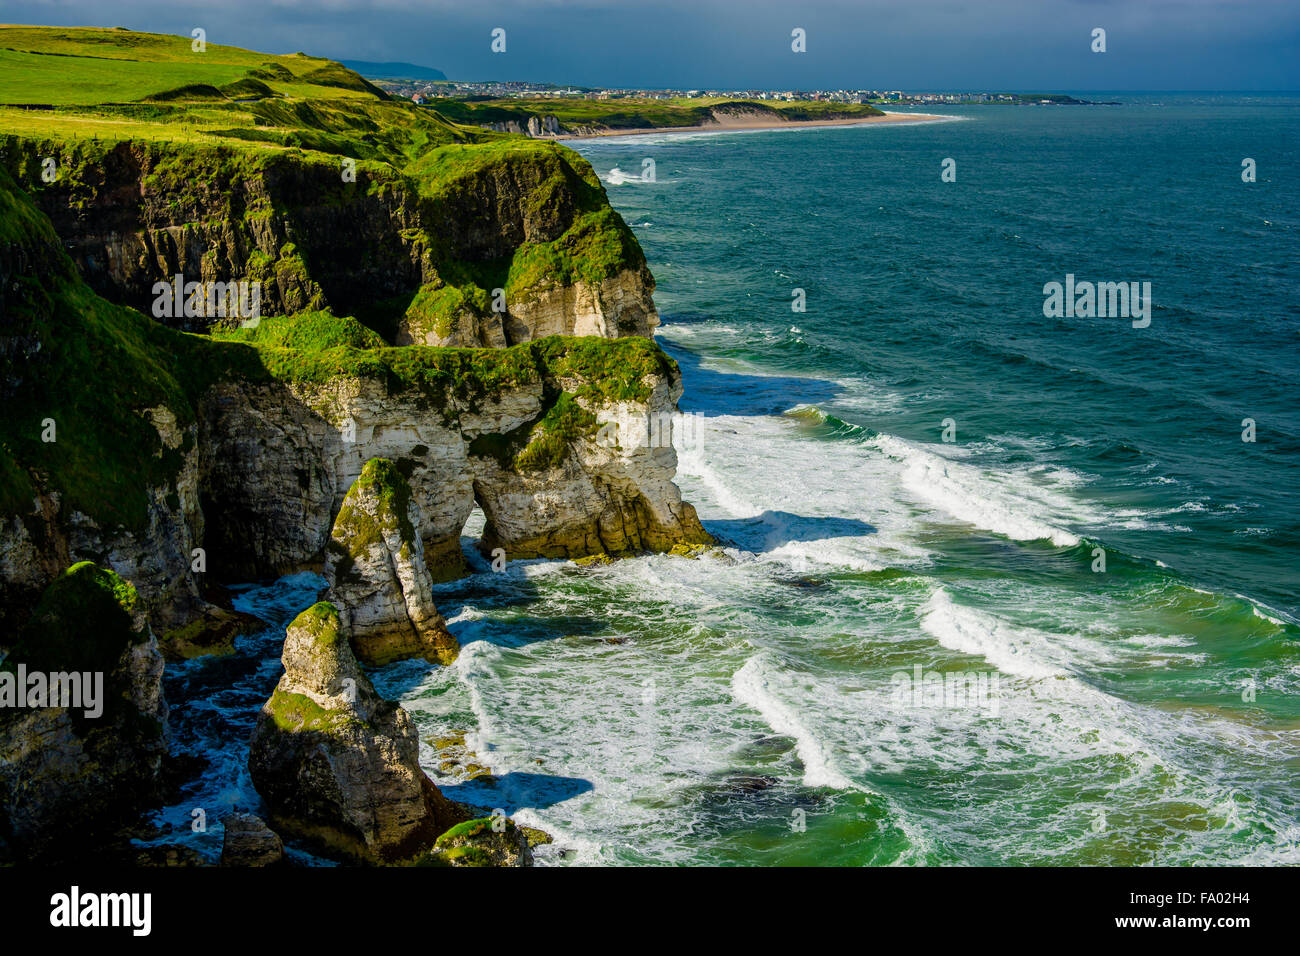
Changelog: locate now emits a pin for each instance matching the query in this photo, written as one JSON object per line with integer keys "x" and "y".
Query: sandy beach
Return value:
{"x": 727, "y": 123}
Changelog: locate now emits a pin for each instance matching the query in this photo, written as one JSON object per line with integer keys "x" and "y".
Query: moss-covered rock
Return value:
{"x": 414, "y": 248}
{"x": 483, "y": 841}
{"x": 98, "y": 449}
{"x": 169, "y": 442}
{"x": 85, "y": 620}
{"x": 211, "y": 633}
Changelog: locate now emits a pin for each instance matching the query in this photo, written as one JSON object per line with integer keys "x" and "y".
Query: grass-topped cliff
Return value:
{"x": 113, "y": 85}
{"x": 118, "y": 65}
{"x": 103, "y": 404}
{"x": 380, "y": 235}
{"x": 290, "y": 171}
{"x": 151, "y": 449}
{"x": 94, "y": 369}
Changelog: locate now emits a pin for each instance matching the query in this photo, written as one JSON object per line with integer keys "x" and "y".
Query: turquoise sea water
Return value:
{"x": 766, "y": 708}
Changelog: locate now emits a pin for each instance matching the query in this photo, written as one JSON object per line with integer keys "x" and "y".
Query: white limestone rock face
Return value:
{"x": 279, "y": 459}
{"x": 262, "y": 472}
{"x": 610, "y": 491}
{"x": 377, "y": 575}
{"x": 465, "y": 328}
{"x": 618, "y": 306}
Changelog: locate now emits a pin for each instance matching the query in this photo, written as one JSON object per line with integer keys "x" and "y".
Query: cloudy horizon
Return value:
{"x": 1000, "y": 45}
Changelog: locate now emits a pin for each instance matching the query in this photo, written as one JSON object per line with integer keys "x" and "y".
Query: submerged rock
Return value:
{"x": 338, "y": 764}
{"x": 457, "y": 760}
{"x": 167, "y": 855}
{"x": 211, "y": 633}
{"x": 377, "y": 574}
{"x": 75, "y": 766}
{"x": 248, "y": 841}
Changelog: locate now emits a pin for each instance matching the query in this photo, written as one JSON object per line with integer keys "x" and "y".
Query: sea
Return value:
{"x": 997, "y": 585}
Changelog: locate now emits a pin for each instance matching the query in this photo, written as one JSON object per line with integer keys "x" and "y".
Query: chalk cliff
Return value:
{"x": 177, "y": 459}
{"x": 278, "y": 457}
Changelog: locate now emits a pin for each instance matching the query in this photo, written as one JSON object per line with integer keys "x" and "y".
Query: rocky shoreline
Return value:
{"x": 307, "y": 441}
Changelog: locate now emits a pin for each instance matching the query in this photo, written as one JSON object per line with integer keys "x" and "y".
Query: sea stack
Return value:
{"x": 377, "y": 574}
{"x": 337, "y": 764}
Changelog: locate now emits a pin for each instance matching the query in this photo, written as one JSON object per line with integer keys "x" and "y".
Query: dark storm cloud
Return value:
{"x": 1003, "y": 44}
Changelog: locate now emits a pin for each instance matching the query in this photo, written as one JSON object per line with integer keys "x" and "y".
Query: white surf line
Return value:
{"x": 751, "y": 687}
{"x": 1143, "y": 732}
{"x": 961, "y": 491}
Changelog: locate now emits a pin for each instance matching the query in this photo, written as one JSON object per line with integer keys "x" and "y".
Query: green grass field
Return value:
{"x": 90, "y": 83}
{"x": 113, "y": 84}
{"x": 85, "y": 65}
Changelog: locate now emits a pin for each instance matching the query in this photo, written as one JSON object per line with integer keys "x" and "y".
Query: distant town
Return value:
{"x": 423, "y": 90}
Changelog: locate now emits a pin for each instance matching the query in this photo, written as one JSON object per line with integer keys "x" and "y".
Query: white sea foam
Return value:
{"x": 1011, "y": 650}
{"x": 578, "y": 704}
{"x": 692, "y": 461}
{"x": 675, "y": 330}
{"x": 794, "y": 492}
{"x": 709, "y": 637}
{"x": 1257, "y": 610}
{"x": 1162, "y": 640}
{"x": 1058, "y": 724}
{"x": 616, "y": 177}
{"x": 751, "y": 685}
{"x": 997, "y": 503}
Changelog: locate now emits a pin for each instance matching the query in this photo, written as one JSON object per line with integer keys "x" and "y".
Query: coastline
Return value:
{"x": 730, "y": 126}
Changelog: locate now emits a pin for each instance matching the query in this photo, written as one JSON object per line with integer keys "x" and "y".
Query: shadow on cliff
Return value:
{"x": 710, "y": 392}
{"x": 517, "y": 791}
{"x": 772, "y": 529}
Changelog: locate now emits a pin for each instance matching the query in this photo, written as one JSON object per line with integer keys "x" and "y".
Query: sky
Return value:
{"x": 1018, "y": 45}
